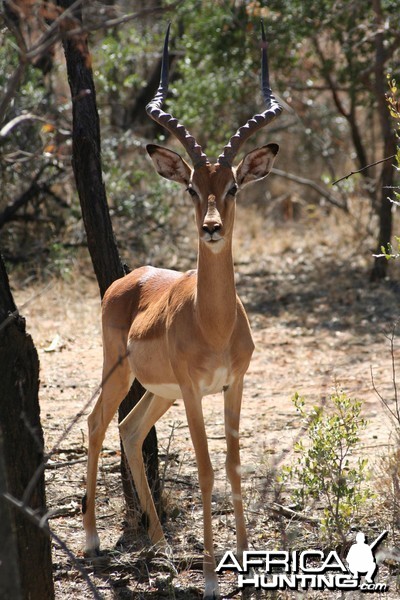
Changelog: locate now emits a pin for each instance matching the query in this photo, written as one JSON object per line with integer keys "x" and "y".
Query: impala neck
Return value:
{"x": 216, "y": 293}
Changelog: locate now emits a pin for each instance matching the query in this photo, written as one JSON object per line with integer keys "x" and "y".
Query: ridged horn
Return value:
{"x": 169, "y": 122}
{"x": 258, "y": 121}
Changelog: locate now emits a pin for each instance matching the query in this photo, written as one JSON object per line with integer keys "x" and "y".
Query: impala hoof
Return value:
{"x": 211, "y": 591}
{"x": 92, "y": 552}
{"x": 92, "y": 546}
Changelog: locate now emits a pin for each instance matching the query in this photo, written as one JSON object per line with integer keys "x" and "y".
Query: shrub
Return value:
{"x": 325, "y": 469}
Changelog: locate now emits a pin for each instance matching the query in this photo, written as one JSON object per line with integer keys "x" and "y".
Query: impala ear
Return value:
{"x": 169, "y": 164}
{"x": 256, "y": 164}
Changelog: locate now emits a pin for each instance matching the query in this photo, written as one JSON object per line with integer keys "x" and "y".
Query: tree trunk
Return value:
{"x": 389, "y": 146}
{"x": 10, "y": 580}
{"x": 86, "y": 161}
{"x": 22, "y": 454}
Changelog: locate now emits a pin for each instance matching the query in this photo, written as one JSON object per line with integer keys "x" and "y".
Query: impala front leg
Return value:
{"x": 233, "y": 401}
{"x": 197, "y": 430}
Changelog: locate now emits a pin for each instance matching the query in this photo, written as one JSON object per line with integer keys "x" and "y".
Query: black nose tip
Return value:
{"x": 211, "y": 227}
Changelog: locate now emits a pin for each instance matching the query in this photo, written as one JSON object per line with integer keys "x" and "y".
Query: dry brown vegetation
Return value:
{"x": 317, "y": 323}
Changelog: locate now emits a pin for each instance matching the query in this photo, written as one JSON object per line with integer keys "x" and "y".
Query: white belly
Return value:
{"x": 170, "y": 391}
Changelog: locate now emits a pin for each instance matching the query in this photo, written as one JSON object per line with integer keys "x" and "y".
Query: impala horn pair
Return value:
{"x": 193, "y": 149}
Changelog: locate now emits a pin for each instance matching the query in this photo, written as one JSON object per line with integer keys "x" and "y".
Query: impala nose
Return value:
{"x": 211, "y": 227}
{"x": 212, "y": 220}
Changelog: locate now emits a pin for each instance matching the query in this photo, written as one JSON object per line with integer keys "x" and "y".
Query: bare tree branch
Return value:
{"x": 63, "y": 25}
{"x": 34, "y": 189}
{"x": 114, "y": 22}
{"x": 312, "y": 184}
{"x": 13, "y": 85}
{"x": 20, "y": 119}
{"x": 363, "y": 168}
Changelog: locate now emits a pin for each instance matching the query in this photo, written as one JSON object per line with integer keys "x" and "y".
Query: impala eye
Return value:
{"x": 233, "y": 190}
{"x": 191, "y": 191}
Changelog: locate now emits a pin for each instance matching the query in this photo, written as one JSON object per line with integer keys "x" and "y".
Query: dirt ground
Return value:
{"x": 318, "y": 324}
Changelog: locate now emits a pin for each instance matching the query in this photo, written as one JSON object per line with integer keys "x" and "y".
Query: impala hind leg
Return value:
{"x": 116, "y": 384}
{"x": 133, "y": 430}
{"x": 232, "y": 405}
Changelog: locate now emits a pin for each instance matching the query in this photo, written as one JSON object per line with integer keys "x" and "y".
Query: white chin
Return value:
{"x": 214, "y": 245}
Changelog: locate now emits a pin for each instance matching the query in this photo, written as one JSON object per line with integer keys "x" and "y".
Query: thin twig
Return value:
{"x": 394, "y": 379}
{"x": 285, "y": 511}
{"x": 364, "y": 168}
{"x": 42, "y": 523}
{"x": 39, "y": 471}
{"x": 394, "y": 413}
{"x": 67, "y": 463}
{"x": 17, "y": 313}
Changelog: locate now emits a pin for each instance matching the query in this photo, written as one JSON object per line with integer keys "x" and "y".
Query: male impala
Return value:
{"x": 185, "y": 335}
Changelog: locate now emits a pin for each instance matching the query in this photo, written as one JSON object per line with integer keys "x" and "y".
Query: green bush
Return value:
{"x": 326, "y": 470}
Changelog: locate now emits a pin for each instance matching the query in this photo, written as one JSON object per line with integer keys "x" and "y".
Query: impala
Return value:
{"x": 184, "y": 335}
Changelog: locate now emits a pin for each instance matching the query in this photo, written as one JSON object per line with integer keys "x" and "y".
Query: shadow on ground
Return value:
{"x": 324, "y": 294}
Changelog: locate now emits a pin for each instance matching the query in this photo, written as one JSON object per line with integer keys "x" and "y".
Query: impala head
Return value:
{"x": 213, "y": 187}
